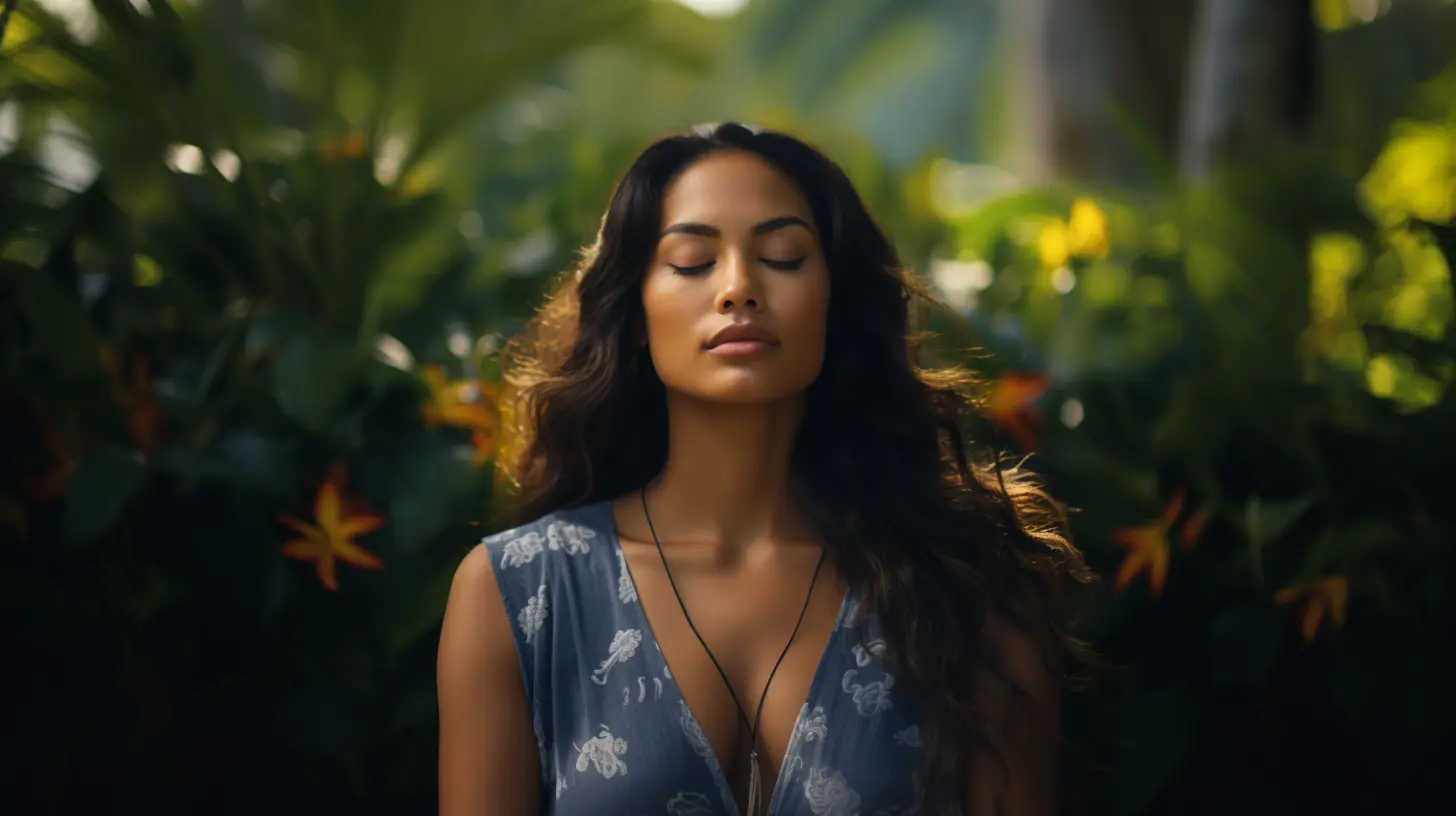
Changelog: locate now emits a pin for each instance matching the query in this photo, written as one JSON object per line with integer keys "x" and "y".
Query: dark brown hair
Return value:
{"x": 939, "y": 544}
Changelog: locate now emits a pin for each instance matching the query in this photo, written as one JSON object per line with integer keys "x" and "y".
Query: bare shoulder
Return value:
{"x": 475, "y": 614}
{"x": 488, "y": 757}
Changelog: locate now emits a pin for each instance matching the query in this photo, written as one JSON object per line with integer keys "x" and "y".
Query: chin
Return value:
{"x": 746, "y": 387}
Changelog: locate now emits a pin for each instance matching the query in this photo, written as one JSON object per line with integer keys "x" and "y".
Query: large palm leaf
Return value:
{"x": 304, "y": 130}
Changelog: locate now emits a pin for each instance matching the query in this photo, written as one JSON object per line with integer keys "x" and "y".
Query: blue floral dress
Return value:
{"x": 614, "y": 732}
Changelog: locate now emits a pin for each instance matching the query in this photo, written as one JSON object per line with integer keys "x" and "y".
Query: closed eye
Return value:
{"x": 790, "y": 264}
{"x": 771, "y": 263}
{"x": 692, "y": 270}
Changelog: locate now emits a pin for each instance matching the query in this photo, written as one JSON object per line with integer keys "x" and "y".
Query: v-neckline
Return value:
{"x": 715, "y": 765}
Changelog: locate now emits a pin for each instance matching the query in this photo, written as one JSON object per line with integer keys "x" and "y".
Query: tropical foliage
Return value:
{"x": 256, "y": 259}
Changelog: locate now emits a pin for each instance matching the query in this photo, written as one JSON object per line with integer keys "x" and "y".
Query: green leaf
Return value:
{"x": 1394, "y": 677}
{"x": 429, "y": 491}
{"x": 1348, "y": 544}
{"x": 1157, "y": 731}
{"x": 105, "y": 480}
{"x": 1243, "y": 642}
{"x": 311, "y": 380}
{"x": 1268, "y": 520}
{"x": 1445, "y": 235}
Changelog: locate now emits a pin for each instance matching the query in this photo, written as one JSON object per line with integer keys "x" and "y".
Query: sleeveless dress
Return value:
{"x": 614, "y": 733}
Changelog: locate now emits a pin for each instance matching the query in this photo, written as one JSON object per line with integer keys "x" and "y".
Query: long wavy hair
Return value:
{"x": 940, "y": 542}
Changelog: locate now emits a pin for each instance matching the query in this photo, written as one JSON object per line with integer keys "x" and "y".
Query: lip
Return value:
{"x": 742, "y": 336}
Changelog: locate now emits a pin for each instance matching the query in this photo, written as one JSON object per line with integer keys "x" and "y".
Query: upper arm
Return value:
{"x": 488, "y": 755}
{"x": 1024, "y": 728}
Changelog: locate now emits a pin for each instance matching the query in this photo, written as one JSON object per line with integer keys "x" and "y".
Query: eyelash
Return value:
{"x": 772, "y": 264}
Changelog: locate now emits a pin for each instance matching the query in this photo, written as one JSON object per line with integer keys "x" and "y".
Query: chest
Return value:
{"x": 750, "y": 643}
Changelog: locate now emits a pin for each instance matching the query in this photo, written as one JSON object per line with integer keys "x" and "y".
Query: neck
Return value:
{"x": 727, "y": 477}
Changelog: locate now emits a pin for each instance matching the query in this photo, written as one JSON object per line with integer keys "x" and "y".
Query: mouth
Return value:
{"x": 742, "y": 339}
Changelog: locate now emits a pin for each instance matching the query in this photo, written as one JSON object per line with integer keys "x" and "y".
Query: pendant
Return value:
{"x": 754, "y": 785}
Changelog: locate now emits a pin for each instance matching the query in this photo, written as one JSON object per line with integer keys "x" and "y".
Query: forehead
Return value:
{"x": 731, "y": 190}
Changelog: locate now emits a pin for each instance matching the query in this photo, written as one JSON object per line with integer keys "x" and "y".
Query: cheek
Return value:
{"x": 671, "y": 313}
{"x": 804, "y": 305}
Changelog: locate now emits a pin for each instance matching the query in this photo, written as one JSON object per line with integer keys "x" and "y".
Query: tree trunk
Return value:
{"x": 1250, "y": 79}
{"x": 1099, "y": 85}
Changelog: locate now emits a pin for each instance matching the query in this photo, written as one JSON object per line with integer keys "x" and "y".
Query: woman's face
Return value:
{"x": 737, "y": 293}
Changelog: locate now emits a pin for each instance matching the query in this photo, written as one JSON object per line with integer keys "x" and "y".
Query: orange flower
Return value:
{"x": 1148, "y": 547}
{"x": 62, "y": 452}
{"x": 332, "y": 535}
{"x": 351, "y": 146}
{"x": 466, "y": 404}
{"x": 1194, "y": 528}
{"x": 1012, "y": 405}
{"x": 145, "y": 423}
{"x": 1325, "y": 596}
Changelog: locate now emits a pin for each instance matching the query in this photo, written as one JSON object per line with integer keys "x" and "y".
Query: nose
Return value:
{"x": 740, "y": 285}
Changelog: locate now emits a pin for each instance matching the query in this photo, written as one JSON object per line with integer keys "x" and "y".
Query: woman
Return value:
{"x": 758, "y": 572}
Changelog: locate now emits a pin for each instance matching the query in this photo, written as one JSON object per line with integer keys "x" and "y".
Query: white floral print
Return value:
{"x": 624, "y": 647}
{"x": 561, "y": 535}
{"x": 626, "y": 591}
{"x": 533, "y": 616}
{"x": 864, "y": 654}
{"x": 829, "y": 795}
{"x": 869, "y": 698}
{"x": 813, "y": 724}
{"x": 521, "y": 550}
{"x": 592, "y": 583}
{"x": 603, "y": 751}
{"x": 689, "y": 803}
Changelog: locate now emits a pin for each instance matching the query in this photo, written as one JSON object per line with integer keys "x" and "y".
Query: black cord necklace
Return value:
{"x": 754, "y": 776}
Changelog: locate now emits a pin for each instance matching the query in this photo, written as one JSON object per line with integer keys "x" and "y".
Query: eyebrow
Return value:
{"x": 762, "y": 228}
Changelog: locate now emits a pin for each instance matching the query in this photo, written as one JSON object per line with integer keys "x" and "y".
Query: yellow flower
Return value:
{"x": 1051, "y": 244}
{"x": 468, "y": 404}
{"x": 1414, "y": 176}
{"x": 1326, "y": 596}
{"x": 1087, "y": 230}
{"x": 331, "y": 537}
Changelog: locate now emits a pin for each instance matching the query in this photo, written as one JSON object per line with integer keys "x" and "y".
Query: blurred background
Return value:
{"x": 258, "y": 258}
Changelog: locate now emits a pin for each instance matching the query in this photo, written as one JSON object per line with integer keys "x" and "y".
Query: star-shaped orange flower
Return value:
{"x": 469, "y": 404}
{"x": 1325, "y": 596}
{"x": 1012, "y": 405}
{"x": 145, "y": 423}
{"x": 331, "y": 537}
{"x": 1148, "y": 548}
{"x": 63, "y": 448}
